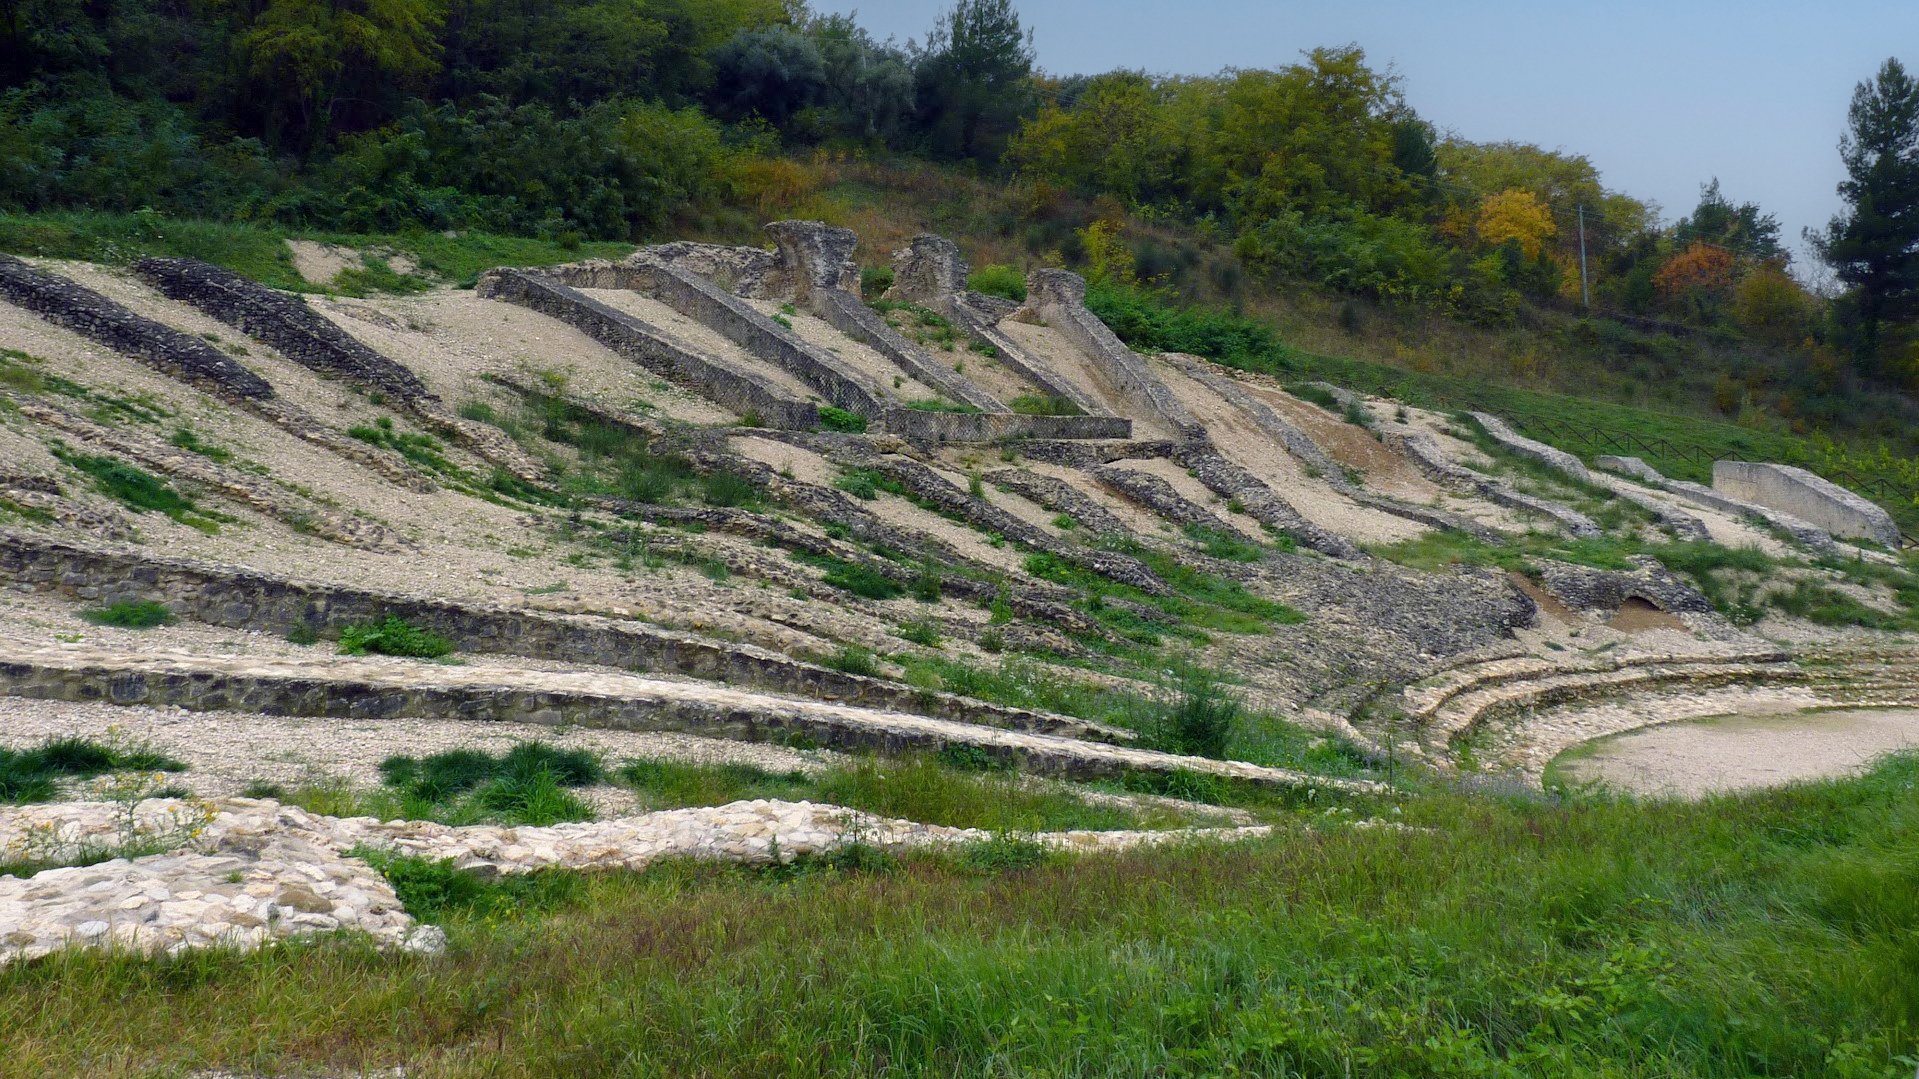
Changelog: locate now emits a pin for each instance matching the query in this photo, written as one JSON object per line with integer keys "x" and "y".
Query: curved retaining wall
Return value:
{"x": 246, "y": 599}
{"x": 164, "y": 348}
{"x": 740, "y": 390}
{"x": 300, "y": 333}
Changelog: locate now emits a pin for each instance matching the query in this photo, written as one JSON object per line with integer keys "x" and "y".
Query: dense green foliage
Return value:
{"x": 393, "y": 636}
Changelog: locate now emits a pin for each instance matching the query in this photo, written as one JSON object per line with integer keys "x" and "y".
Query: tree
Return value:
{"x": 1740, "y": 226}
{"x": 314, "y": 61}
{"x": 1697, "y": 280}
{"x": 772, "y": 73}
{"x": 1873, "y": 245}
{"x": 973, "y": 79}
{"x": 868, "y": 91}
{"x": 1518, "y": 216}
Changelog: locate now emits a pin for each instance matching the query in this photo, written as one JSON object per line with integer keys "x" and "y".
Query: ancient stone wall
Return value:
{"x": 1059, "y": 298}
{"x": 982, "y": 325}
{"x": 702, "y": 300}
{"x": 246, "y": 599}
{"x": 849, "y": 316}
{"x": 1423, "y": 451}
{"x": 1263, "y": 503}
{"x": 301, "y": 334}
{"x": 1683, "y": 525}
{"x": 1806, "y": 496}
{"x": 920, "y": 426}
{"x": 92, "y": 315}
{"x": 1060, "y": 497}
{"x": 741, "y": 390}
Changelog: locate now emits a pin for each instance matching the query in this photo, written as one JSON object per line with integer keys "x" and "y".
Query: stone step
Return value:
{"x": 369, "y": 689}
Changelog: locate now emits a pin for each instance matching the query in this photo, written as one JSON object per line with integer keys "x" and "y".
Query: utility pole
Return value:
{"x": 1585, "y": 286}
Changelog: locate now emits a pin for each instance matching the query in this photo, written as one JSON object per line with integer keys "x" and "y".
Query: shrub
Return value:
{"x": 131, "y": 614}
{"x": 834, "y": 418}
{"x": 526, "y": 785}
{"x": 393, "y": 636}
{"x": 1201, "y": 719}
{"x": 999, "y": 279}
{"x": 874, "y": 281}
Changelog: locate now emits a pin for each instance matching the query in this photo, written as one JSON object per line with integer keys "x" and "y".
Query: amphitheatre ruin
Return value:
{"x": 712, "y": 505}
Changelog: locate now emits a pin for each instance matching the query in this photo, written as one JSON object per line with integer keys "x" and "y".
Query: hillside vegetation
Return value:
{"x": 1313, "y": 196}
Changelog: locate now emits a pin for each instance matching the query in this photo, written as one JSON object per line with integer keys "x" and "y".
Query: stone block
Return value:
{"x": 1808, "y": 497}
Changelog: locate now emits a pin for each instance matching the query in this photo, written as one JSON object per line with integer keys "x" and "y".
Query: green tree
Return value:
{"x": 1873, "y": 245}
{"x": 974, "y": 79}
{"x": 322, "y": 65}
{"x": 868, "y": 88}
{"x": 1740, "y": 226}
{"x": 771, "y": 73}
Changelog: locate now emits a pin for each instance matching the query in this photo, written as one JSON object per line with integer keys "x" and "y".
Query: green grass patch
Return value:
{"x": 834, "y": 418}
{"x": 940, "y": 404}
{"x": 1763, "y": 934}
{"x": 141, "y": 491}
{"x": 925, "y": 789}
{"x": 1034, "y": 404}
{"x": 34, "y": 774}
{"x": 130, "y": 614}
{"x": 853, "y": 577}
{"x": 393, "y": 636}
{"x": 530, "y": 784}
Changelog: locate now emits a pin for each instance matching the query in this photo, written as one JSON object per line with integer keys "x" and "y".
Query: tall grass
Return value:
{"x": 1770, "y": 934}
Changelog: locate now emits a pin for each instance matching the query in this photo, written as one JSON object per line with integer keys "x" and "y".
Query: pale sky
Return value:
{"x": 1660, "y": 96}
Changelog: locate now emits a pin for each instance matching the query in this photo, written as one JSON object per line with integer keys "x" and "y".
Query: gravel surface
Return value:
{"x": 1240, "y": 440}
{"x": 225, "y": 751}
{"x": 1759, "y": 747}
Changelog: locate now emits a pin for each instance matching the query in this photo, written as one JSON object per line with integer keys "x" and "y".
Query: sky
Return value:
{"x": 1661, "y": 97}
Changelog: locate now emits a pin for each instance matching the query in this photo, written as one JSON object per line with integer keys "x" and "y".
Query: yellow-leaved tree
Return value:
{"x": 1515, "y": 214}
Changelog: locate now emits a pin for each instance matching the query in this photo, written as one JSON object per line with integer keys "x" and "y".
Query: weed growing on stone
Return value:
{"x": 834, "y": 418}
{"x": 393, "y": 636}
{"x": 141, "y": 491}
{"x": 130, "y": 614}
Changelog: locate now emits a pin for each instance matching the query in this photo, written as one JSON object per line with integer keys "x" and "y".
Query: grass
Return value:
{"x": 854, "y": 577}
{"x": 530, "y": 784}
{"x": 260, "y": 252}
{"x": 34, "y": 775}
{"x": 1764, "y": 934}
{"x": 834, "y": 418}
{"x": 926, "y": 789}
{"x": 141, "y": 491}
{"x": 615, "y": 460}
{"x": 393, "y": 636}
{"x": 939, "y": 404}
{"x": 130, "y": 614}
{"x": 1033, "y": 404}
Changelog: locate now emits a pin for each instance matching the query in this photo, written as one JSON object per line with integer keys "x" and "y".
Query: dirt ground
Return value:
{"x": 1698, "y": 757}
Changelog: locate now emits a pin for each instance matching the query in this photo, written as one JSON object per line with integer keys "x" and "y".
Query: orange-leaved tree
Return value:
{"x": 1697, "y": 280}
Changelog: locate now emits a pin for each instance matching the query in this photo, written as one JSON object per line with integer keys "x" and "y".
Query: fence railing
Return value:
{"x": 1571, "y": 433}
